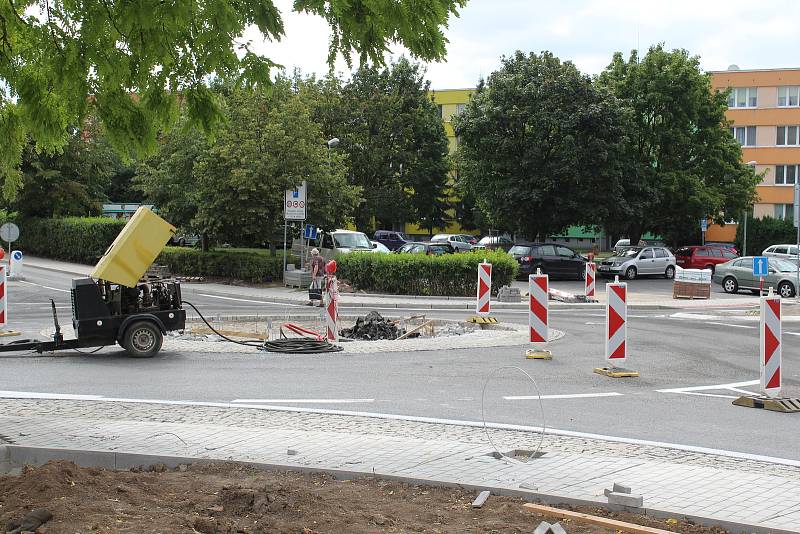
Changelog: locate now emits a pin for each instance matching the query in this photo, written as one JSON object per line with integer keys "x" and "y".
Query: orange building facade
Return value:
{"x": 764, "y": 109}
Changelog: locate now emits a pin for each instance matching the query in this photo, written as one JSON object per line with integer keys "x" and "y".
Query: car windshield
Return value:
{"x": 354, "y": 240}
{"x": 518, "y": 249}
{"x": 630, "y": 252}
{"x": 782, "y": 266}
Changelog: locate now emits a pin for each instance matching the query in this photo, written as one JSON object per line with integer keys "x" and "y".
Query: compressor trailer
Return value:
{"x": 118, "y": 303}
{"x": 105, "y": 314}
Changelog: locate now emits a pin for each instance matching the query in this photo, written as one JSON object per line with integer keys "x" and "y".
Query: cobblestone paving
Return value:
{"x": 715, "y": 486}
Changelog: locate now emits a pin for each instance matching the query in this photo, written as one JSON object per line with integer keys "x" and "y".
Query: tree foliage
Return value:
{"x": 537, "y": 142}
{"x": 681, "y": 164}
{"x": 395, "y": 143}
{"x": 128, "y": 62}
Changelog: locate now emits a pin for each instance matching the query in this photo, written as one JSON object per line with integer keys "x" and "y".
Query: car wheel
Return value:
{"x": 630, "y": 273}
{"x": 730, "y": 285}
{"x": 142, "y": 339}
{"x": 785, "y": 290}
{"x": 669, "y": 274}
{"x": 582, "y": 274}
{"x": 181, "y": 242}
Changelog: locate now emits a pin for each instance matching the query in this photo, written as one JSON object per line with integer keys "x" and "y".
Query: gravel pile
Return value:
{"x": 372, "y": 327}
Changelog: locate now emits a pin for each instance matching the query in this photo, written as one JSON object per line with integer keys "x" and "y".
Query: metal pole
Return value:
{"x": 284, "y": 252}
{"x": 797, "y": 224}
{"x": 744, "y": 241}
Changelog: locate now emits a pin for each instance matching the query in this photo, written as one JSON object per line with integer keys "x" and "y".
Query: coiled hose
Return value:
{"x": 285, "y": 345}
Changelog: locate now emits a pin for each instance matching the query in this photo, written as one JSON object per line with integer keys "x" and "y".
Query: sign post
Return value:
{"x": 294, "y": 209}
{"x": 9, "y": 233}
{"x": 797, "y": 225}
{"x": 760, "y": 270}
{"x": 703, "y": 229}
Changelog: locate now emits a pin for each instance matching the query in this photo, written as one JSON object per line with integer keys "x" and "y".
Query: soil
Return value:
{"x": 232, "y": 498}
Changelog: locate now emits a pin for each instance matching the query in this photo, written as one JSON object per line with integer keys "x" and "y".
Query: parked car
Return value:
{"x": 729, "y": 246}
{"x": 738, "y": 274}
{"x": 784, "y": 252}
{"x": 555, "y": 260}
{"x": 638, "y": 261}
{"x": 496, "y": 242}
{"x": 459, "y": 243}
{"x": 431, "y": 249}
{"x": 393, "y": 240}
{"x": 624, "y": 244}
{"x": 342, "y": 242}
{"x": 185, "y": 240}
{"x": 702, "y": 257}
{"x": 469, "y": 238}
{"x": 377, "y": 246}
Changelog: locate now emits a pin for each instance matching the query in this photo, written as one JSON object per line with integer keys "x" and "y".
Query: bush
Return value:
{"x": 416, "y": 274}
{"x": 762, "y": 233}
{"x": 78, "y": 239}
{"x": 246, "y": 266}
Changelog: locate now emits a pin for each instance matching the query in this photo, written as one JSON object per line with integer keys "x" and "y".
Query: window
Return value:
{"x": 785, "y": 174}
{"x": 548, "y": 250}
{"x": 729, "y": 255}
{"x": 439, "y": 109}
{"x": 717, "y": 253}
{"x": 784, "y": 211}
{"x": 460, "y": 108}
{"x": 781, "y": 250}
{"x": 787, "y": 97}
{"x": 701, "y": 252}
{"x": 741, "y": 263}
{"x": 743, "y": 97}
{"x": 661, "y": 253}
{"x": 647, "y": 254}
{"x": 745, "y": 135}
{"x": 787, "y": 136}
{"x": 564, "y": 252}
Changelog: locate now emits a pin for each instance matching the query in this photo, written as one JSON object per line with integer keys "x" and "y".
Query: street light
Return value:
{"x": 744, "y": 233}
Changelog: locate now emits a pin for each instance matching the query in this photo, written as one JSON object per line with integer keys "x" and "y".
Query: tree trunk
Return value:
{"x": 635, "y": 235}
{"x": 204, "y": 242}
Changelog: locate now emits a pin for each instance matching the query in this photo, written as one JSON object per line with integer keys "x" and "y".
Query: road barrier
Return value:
{"x": 770, "y": 345}
{"x": 484, "y": 301}
{"x": 591, "y": 276}
{"x": 538, "y": 316}
{"x": 616, "y": 333}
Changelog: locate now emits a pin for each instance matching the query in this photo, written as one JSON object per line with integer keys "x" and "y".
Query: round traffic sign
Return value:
{"x": 9, "y": 232}
{"x": 16, "y": 255}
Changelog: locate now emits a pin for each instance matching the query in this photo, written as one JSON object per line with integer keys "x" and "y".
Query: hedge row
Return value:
{"x": 417, "y": 274}
{"x": 77, "y": 239}
{"x": 245, "y": 266}
{"x": 762, "y": 233}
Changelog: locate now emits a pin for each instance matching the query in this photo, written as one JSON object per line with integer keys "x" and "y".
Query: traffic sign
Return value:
{"x": 760, "y": 266}
{"x": 310, "y": 232}
{"x": 294, "y": 208}
{"x": 703, "y": 225}
{"x": 9, "y": 232}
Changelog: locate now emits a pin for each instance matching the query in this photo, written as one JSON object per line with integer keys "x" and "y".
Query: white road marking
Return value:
{"x": 572, "y": 396}
{"x": 793, "y": 333}
{"x": 420, "y": 419}
{"x": 593, "y": 323}
{"x": 250, "y": 300}
{"x": 302, "y": 401}
{"x": 40, "y": 285}
{"x": 57, "y": 396}
{"x": 733, "y": 386}
{"x": 732, "y": 325}
{"x": 709, "y": 395}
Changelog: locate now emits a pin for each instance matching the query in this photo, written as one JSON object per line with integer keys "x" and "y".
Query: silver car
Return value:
{"x": 783, "y": 252}
{"x": 458, "y": 242}
{"x": 738, "y": 274}
{"x": 639, "y": 261}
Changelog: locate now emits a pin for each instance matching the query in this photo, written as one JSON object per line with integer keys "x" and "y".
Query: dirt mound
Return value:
{"x": 372, "y": 326}
{"x": 231, "y": 498}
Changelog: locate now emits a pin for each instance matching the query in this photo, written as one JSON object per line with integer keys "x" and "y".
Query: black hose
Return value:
{"x": 285, "y": 345}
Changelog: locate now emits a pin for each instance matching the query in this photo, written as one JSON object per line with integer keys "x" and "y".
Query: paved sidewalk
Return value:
{"x": 682, "y": 482}
{"x": 285, "y": 295}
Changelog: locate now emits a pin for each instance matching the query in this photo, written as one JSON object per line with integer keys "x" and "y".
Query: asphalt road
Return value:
{"x": 671, "y": 351}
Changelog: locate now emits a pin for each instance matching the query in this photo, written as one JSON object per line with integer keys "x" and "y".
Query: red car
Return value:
{"x": 703, "y": 257}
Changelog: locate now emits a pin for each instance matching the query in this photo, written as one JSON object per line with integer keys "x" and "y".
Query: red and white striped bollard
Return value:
{"x": 770, "y": 345}
{"x": 538, "y": 316}
{"x": 591, "y": 276}
{"x": 484, "y": 300}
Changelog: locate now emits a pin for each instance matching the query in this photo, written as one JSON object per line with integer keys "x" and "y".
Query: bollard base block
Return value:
{"x": 9, "y": 333}
{"x": 616, "y": 372}
{"x": 779, "y": 404}
{"x": 477, "y": 319}
{"x": 538, "y": 354}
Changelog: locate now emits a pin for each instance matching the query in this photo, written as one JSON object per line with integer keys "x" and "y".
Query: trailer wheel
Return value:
{"x": 142, "y": 339}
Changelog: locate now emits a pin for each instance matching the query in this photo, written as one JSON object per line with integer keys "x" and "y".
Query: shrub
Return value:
{"x": 762, "y": 233}
{"x": 78, "y": 239}
{"x": 246, "y": 266}
{"x": 416, "y": 274}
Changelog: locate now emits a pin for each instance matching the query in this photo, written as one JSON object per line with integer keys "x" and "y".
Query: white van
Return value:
{"x": 342, "y": 242}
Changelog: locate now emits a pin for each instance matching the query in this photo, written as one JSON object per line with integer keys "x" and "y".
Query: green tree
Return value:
{"x": 680, "y": 162}
{"x": 394, "y": 141}
{"x": 537, "y": 143}
{"x": 60, "y": 61}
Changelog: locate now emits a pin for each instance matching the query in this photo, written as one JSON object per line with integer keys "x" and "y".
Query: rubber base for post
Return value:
{"x": 780, "y": 404}
{"x": 538, "y": 354}
{"x": 476, "y": 319}
{"x": 616, "y": 372}
{"x": 8, "y": 333}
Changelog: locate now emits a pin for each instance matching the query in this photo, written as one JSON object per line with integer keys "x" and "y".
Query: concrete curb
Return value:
{"x": 16, "y": 456}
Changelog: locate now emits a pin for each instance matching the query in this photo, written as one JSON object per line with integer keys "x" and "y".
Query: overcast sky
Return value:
{"x": 751, "y": 34}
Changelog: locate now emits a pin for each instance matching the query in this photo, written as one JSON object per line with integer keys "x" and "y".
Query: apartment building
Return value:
{"x": 764, "y": 109}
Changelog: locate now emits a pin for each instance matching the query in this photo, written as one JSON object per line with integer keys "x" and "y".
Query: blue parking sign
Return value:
{"x": 760, "y": 266}
{"x": 310, "y": 231}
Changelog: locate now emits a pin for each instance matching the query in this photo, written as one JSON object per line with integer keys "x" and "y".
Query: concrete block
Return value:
{"x": 625, "y": 499}
{"x": 543, "y": 528}
{"x": 619, "y": 488}
{"x": 556, "y": 528}
{"x": 480, "y": 499}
